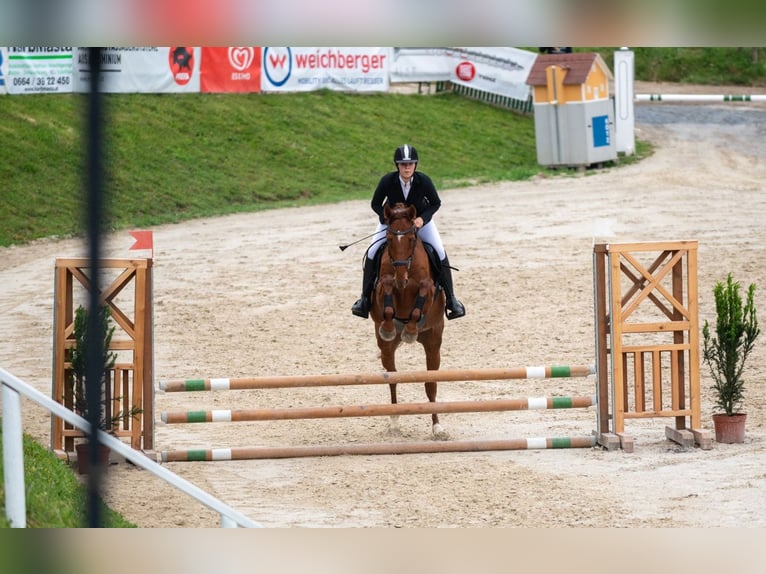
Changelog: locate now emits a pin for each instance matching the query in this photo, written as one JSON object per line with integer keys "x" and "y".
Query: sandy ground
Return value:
{"x": 269, "y": 293}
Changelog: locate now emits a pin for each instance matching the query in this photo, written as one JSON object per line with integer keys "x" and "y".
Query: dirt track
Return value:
{"x": 269, "y": 293}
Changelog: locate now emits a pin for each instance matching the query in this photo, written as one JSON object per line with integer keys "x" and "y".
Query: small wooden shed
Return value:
{"x": 574, "y": 112}
{"x": 579, "y": 77}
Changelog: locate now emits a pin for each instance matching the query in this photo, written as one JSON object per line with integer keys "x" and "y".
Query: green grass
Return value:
{"x": 54, "y": 496}
{"x": 171, "y": 158}
{"x": 712, "y": 66}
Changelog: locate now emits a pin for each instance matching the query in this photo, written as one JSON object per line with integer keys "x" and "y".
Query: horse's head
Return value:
{"x": 401, "y": 238}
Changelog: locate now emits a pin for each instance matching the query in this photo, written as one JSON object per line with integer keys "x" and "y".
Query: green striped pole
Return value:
{"x": 699, "y": 98}
{"x": 249, "y": 453}
{"x": 394, "y": 377}
{"x": 294, "y": 413}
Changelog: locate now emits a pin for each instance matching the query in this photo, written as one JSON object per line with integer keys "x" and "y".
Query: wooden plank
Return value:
{"x": 617, "y": 323}
{"x": 639, "y": 381}
{"x": 693, "y": 336}
{"x": 657, "y": 380}
{"x": 658, "y": 414}
{"x": 654, "y": 348}
{"x": 652, "y": 246}
{"x": 654, "y": 327}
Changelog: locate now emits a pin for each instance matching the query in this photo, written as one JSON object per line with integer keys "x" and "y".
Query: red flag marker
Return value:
{"x": 144, "y": 240}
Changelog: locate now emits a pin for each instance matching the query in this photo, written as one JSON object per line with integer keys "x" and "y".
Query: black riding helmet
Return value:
{"x": 406, "y": 154}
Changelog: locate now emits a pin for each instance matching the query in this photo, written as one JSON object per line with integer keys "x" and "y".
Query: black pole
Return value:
{"x": 94, "y": 367}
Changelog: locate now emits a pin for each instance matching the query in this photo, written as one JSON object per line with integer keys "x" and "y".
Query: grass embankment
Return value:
{"x": 171, "y": 158}
{"x": 54, "y": 496}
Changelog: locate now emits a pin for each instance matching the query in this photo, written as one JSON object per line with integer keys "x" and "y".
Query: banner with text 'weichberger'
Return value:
{"x": 298, "y": 69}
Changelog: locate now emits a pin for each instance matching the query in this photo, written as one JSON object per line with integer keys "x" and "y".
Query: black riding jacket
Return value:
{"x": 422, "y": 195}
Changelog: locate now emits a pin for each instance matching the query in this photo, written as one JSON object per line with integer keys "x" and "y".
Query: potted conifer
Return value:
{"x": 108, "y": 419}
{"x": 726, "y": 352}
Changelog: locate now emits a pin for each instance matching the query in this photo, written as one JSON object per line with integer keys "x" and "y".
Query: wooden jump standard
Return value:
{"x": 247, "y": 453}
{"x": 283, "y": 382}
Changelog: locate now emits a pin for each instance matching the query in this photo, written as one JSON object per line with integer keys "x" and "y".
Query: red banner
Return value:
{"x": 235, "y": 69}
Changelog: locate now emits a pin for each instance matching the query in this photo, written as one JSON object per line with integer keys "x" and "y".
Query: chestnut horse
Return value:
{"x": 406, "y": 305}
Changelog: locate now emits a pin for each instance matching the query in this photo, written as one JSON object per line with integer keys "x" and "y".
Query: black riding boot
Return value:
{"x": 455, "y": 308}
{"x": 362, "y": 307}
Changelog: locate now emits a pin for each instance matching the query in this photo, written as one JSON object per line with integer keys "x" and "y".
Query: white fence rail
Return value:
{"x": 13, "y": 456}
{"x": 697, "y": 98}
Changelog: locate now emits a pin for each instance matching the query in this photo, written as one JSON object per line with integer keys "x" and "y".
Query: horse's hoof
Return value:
{"x": 409, "y": 337}
{"x": 440, "y": 433}
{"x": 393, "y": 426}
{"x": 387, "y": 335}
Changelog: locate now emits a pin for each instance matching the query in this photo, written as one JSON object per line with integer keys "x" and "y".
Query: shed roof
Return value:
{"x": 578, "y": 66}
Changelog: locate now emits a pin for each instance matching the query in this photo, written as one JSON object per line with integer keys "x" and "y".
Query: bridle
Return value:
{"x": 403, "y": 262}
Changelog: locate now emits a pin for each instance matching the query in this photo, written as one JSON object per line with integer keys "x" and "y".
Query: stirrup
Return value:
{"x": 361, "y": 308}
{"x": 455, "y": 309}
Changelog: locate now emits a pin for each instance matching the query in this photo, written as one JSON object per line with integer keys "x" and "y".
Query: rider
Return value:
{"x": 405, "y": 185}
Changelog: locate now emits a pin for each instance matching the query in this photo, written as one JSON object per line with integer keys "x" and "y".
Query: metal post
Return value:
{"x": 13, "y": 459}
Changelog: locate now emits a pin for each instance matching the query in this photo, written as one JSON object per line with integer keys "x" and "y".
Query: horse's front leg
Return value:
{"x": 387, "y": 330}
{"x": 410, "y": 332}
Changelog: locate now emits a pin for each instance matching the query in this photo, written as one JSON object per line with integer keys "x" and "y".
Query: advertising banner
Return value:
{"x": 142, "y": 70}
{"x": 38, "y": 69}
{"x": 3, "y": 69}
{"x": 421, "y": 65}
{"x": 299, "y": 69}
{"x": 496, "y": 70}
{"x": 235, "y": 69}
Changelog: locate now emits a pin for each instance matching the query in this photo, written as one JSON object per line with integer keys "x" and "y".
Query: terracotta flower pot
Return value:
{"x": 83, "y": 456}
{"x": 729, "y": 429}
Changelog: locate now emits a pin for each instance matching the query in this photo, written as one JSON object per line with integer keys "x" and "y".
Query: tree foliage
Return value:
{"x": 727, "y": 350}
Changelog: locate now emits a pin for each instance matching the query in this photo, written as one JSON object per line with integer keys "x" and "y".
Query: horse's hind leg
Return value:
{"x": 438, "y": 430}
{"x": 388, "y": 359}
{"x": 393, "y": 421}
{"x": 432, "y": 347}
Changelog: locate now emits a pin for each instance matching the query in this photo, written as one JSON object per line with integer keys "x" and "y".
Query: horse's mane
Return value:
{"x": 400, "y": 211}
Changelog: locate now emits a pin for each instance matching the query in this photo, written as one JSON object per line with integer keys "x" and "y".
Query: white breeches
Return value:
{"x": 429, "y": 233}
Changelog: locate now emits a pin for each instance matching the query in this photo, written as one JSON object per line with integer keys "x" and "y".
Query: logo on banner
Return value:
{"x": 277, "y": 65}
{"x": 465, "y": 71}
{"x": 241, "y": 58}
{"x": 2, "y": 78}
{"x": 181, "y": 64}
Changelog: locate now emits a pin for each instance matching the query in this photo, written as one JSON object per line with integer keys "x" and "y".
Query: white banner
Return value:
{"x": 496, "y": 70}
{"x": 37, "y": 69}
{"x": 421, "y": 65}
{"x": 299, "y": 69}
{"x": 142, "y": 70}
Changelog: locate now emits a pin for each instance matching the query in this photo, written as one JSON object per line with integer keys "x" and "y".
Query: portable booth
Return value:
{"x": 574, "y": 114}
